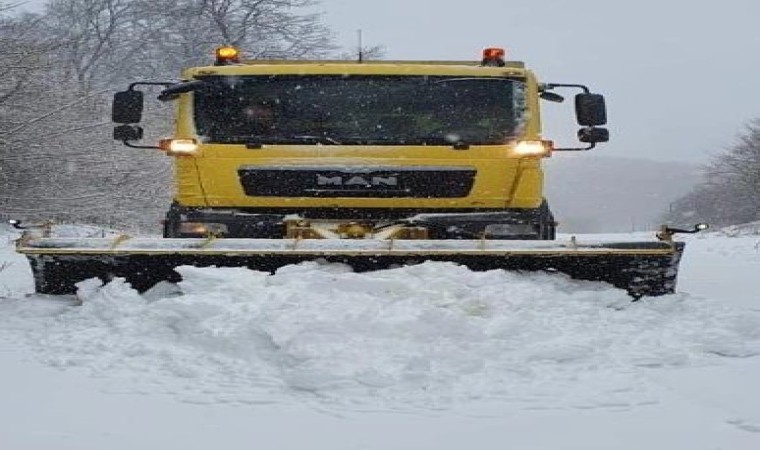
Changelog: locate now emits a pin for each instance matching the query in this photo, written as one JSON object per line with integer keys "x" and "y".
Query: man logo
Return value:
{"x": 356, "y": 180}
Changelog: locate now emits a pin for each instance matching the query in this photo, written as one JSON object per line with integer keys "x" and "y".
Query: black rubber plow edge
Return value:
{"x": 640, "y": 274}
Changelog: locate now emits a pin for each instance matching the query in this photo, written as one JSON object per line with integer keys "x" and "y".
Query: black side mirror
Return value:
{"x": 592, "y": 135}
{"x": 590, "y": 110}
{"x": 127, "y": 133}
{"x": 127, "y": 107}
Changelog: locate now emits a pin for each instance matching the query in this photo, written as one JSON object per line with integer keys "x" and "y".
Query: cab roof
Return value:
{"x": 329, "y": 67}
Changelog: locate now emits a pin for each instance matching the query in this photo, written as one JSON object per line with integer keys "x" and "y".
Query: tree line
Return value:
{"x": 60, "y": 66}
{"x": 730, "y": 191}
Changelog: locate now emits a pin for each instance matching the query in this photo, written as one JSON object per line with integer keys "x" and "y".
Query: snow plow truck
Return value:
{"x": 374, "y": 164}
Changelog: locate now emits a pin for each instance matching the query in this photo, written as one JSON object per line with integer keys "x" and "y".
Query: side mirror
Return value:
{"x": 590, "y": 110}
{"x": 127, "y": 107}
{"x": 593, "y": 135}
{"x": 126, "y": 133}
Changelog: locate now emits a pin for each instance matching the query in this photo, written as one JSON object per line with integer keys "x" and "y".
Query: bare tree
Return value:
{"x": 730, "y": 193}
{"x": 363, "y": 52}
{"x": 22, "y": 60}
{"x": 56, "y": 155}
{"x": 58, "y": 69}
{"x": 91, "y": 36}
{"x": 22, "y": 57}
{"x": 191, "y": 29}
{"x": 741, "y": 163}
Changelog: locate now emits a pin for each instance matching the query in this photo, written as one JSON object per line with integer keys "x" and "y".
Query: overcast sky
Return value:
{"x": 681, "y": 77}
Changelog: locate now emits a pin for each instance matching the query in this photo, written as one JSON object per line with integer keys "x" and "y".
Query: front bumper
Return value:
{"x": 440, "y": 224}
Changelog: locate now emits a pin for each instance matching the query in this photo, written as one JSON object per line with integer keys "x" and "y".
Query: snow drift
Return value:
{"x": 425, "y": 336}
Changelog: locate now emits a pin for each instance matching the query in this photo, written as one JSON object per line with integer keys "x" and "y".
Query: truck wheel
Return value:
{"x": 548, "y": 231}
{"x": 547, "y": 225}
{"x": 171, "y": 223}
{"x": 170, "y": 229}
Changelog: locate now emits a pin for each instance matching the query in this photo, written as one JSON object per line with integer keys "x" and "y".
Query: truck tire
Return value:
{"x": 547, "y": 226}
{"x": 171, "y": 222}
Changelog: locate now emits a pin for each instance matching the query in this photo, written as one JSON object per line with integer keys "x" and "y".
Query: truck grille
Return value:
{"x": 373, "y": 182}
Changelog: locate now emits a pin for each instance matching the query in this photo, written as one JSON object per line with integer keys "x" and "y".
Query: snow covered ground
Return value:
{"x": 425, "y": 357}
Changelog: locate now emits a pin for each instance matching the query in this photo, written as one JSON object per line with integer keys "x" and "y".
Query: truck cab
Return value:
{"x": 268, "y": 149}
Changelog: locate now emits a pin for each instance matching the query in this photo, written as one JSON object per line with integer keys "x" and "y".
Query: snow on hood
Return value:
{"x": 424, "y": 336}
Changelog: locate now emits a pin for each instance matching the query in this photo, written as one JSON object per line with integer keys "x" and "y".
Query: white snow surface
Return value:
{"x": 428, "y": 356}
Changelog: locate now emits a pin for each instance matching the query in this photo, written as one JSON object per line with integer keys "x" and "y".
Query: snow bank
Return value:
{"x": 746, "y": 229}
{"x": 425, "y": 336}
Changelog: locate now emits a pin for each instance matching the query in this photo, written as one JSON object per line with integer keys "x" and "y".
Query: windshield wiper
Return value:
{"x": 308, "y": 139}
{"x": 318, "y": 138}
{"x": 462, "y": 142}
{"x": 458, "y": 144}
{"x": 295, "y": 139}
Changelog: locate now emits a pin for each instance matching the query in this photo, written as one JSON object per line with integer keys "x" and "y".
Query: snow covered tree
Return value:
{"x": 189, "y": 30}
{"x": 741, "y": 164}
{"x": 61, "y": 66}
{"x": 56, "y": 156}
{"x": 730, "y": 193}
{"x": 22, "y": 60}
{"x": 91, "y": 36}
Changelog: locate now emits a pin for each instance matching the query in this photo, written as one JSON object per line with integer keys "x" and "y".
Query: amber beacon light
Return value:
{"x": 494, "y": 57}
{"x": 227, "y": 55}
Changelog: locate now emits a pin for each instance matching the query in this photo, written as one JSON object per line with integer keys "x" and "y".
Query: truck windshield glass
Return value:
{"x": 359, "y": 109}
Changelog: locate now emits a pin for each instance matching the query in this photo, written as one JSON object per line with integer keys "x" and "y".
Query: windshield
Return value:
{"x": 359, "y": 109}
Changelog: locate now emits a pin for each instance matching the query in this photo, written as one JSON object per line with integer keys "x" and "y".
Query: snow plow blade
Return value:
{"x": 641, "y": 268}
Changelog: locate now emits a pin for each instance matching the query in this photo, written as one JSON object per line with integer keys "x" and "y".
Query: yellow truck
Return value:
{"x": 368, "y": 163}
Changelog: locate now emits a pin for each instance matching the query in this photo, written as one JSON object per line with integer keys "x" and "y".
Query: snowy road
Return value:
{"x": 425, "y": 357}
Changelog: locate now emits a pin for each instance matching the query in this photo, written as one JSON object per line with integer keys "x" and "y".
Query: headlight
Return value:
{"x": 179, "y": 147}
{"x": 202, "y": 229}
{"x": 533, "y": 148}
